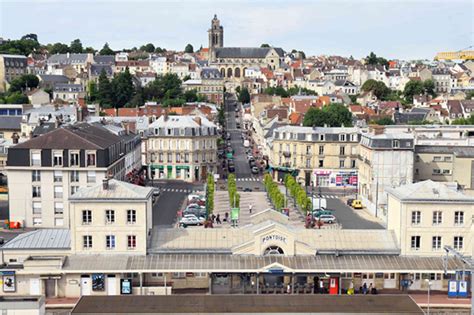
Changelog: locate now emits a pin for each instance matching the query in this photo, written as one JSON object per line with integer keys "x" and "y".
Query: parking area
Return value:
{"x": 350, "y": 218}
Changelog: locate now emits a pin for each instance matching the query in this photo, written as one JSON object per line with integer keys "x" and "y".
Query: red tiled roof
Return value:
{"x": 296, "y": 118}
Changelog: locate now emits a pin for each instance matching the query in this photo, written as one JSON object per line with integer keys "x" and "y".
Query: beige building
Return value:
{"x": 385, "y": 161}
{"x": 180, "y": 147}
{"x": 426, "y": 216}
{"x": 11, "y": 67}
{"x": 325, "y": 156}
{"x": 445, "y": 164}
{"x": 111, "y": 217}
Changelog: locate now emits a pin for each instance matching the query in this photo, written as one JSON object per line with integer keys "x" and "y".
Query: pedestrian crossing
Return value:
{"x": 249, "y": 179}
{"x": 329, "y": 196}
{"x": 177, "y": 190}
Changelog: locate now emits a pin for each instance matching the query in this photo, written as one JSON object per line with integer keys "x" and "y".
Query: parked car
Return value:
{"x": 194, "y": 196}
{"x": 237, "y": 125}
{"x": 356, "y": 204}
{"x": 317, "y": 214}
{"x": 255, "y": 170}
{"x": 349, "y": 202}
{"x": 190, "y": 219}
{"x": 327, "y": 218}
{"x": 199, "y": 213}
{"x": 231, "y": 167}
{"x": 156, "y": 192}
{"x": 247, "y": 189}
{"x": 252, "y": 163}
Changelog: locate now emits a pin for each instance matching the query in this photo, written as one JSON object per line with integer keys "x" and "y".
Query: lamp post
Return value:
{"x": 152, "y": 160}
{"x": 429, "y": 288}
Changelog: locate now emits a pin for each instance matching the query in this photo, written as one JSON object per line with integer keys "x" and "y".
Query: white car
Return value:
{"x": 191, "y": 197}
{"x": 327, "y": 218}
{"x": 191, "y": 219}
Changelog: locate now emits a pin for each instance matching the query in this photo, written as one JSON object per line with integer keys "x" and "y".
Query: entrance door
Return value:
{"x": 50, "y": 287}
{"x": 416, "y": 281}
{"x": 389, "y": 281}
{"x": 35, "y": 288}
{"x": 368, "y": 279}
{"x": 111, "y": 285}
{"x": 85, "y": 286}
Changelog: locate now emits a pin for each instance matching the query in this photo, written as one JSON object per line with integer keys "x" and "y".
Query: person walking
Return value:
{"x": 218, "y": 219}
{"x": 250, "y": 208}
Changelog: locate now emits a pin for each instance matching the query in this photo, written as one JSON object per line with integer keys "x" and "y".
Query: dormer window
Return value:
{"x": 57, "y": 158}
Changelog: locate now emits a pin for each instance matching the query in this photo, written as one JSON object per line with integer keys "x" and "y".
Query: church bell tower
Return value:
{"x": 216, "y": 37}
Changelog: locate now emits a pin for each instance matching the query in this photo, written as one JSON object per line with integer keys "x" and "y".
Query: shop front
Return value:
{"x": 335, "y": 178}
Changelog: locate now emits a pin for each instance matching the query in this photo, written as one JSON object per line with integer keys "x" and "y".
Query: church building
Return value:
{"x": 233, "y": 61}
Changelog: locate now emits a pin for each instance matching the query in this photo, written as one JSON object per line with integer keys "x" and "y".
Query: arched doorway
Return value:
{"x": 229, "y": 73}
{"x": 273, "y": 250}
{"x": 243, "y": 72}
{"x": 223, "y": 72}
{"x": 237, "y": 72}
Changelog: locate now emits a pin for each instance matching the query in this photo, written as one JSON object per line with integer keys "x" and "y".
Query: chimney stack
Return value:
{"x": 105, "y": 183}
{"x": 377, "y": 130}
{"x": 197, "y": 119}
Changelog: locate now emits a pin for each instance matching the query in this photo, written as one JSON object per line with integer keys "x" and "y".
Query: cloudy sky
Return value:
{"x": 390, "y": 28}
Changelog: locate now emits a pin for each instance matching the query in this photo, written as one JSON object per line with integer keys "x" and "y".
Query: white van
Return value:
{"x": 319, "y": 204}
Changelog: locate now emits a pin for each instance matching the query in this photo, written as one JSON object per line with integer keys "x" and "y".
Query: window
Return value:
{"x": 342, "y": 137}
{"x": 342, "y": 150}
{"x": 178, "y": 275}
{"x": 436, "y": 243}
{"x": 58, "y": 222}
{"x": 458, "y": 242}
{"x": 91, "y": 176}
{"x": 396, "y": 143}
{"x": 321, "y": 149}
{"x": 109, "y": 216}
{"x": 446, "y": 172}
{"x": 321, "y": 137}
{"x": 437, "y": 217}
{"x": 36, "y": 159}
{"x": 170, "y": 158}
{"x": 437, "y": 158}
{"x": 86, "y": 216}
{"x": 58, "y": 191}
{"x": 415, "y": 242}
{"x": 436, "y": 171}
{"x": 57, "y": 158}
{"x": 448, "y": 158}
{"x": 160, "y": 157}
{"x": 87, "y": 241}
{"x": 37, "y": 221}
{"x": 35, "y": 176}
{"x": 415, "y": 217}
{"x": 36, "y": 191}
{"x": 74, "y": 176}
{"x": 58, "y": 176}
{"x": 74, "y": 159}
{"x": 131, "y": 216}
{"x": 321, "y": 163}
{"x": 341, "y": 163}
{"x": 74, "y": 189}
{"x": 131, "y": 241}
{"x": 458, "y": 217}
{"x": 36, "y": 207}
{"x": 58, "y": 208}
{"x": 308, "y": 149}
{"x": 353, "y": 163}
{"x": 90, "y": 159}
{"x": 178, "y": 158}
{"x": 110, "y": 241}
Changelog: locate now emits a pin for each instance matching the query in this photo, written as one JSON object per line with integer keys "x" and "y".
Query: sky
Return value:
{"x": 403, "y": 29}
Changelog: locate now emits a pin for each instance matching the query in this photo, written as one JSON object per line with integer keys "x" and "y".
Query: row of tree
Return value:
{"x": 332, "y": 115}
{"x": 210, "y": 195}
{"x": 298, "y": 193}
{"x": 412, "y": 88}
{"x": 234, "y": 196}
{"x": 276, "y": 196}
{"x": 16, "y": 93}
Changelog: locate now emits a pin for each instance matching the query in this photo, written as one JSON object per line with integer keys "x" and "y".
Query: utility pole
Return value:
{"x": 466, "y": 260}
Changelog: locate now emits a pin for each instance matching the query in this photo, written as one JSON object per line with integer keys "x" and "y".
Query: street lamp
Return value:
{"x": 429, "y": 288}
{"x": 152, "y": 160}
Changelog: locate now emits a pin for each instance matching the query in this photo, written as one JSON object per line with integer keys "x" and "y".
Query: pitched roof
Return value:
{"x": 117, "y": 190}
{"x": 296, "y": 118}
{"x": 429, "y": 191}
{"x": 245, "y": 52}
{"x": 77, "y": 136}
{"x": 41, "y": 239}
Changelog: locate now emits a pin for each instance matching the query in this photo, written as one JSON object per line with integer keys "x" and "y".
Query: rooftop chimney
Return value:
{"x": 15, "y": 138}
{"x": 105, "y": 183}
{"x": 197, "y": 119}
{"x": 378, "y": 130}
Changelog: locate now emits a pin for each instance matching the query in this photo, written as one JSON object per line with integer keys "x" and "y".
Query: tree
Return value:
{"x": 92, "y": 91}
{"x": 333, "y": 115}
{"x": 159, "y": 50}
{"x": 20, "y": 47}
{"x": 105, "y": 92}
{"x": 149, "y": 48}
{"x": 264, "y": 46}
{"x": 31, "y": 36}
{"x": 90, "y": 50}
{"x": 384, "y": 121}
{"x": 106, "y": 50}
{"x": 470, "y": 95}
{"x": 189, "y": 48}
{"x": 464, "y": 121}
{"x": 16, "y": 98}
{"x": 429, "y": 87}
{"x": 58, "y": 48}
{"x": 191, "y": 95}
{"x": 244, "y": 96}
{"x": 22, "y": 83}
{"x": 413, "y": 88}
{"x": 76, "y": 47}
{"x": 123, "y": 88}
{"x": 379, "y": 88}
{"x": 372, "y": 59}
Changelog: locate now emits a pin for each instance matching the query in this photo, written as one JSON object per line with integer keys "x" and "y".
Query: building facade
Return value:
{"x": 11, "y": 67}
{"x": 210, "y": 85}
{"x": 327, "y": 157}
{"x": 180, "y": 147}
{"x": 45, "y": 171}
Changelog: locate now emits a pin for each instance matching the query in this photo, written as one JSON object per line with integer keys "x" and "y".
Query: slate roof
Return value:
{"x": 456, "y": 150}
{"x": 405, "y": 118}
{"x": 104, "y": 60}
{"x": 117, "y": 190}
{"x": 429, "y": 191}
{"x": 77, "y": 136}
{"x": 245, "y": 52}
{"x": 96, "y": 69}
{"x": 65, "y": 59}
{"x": 10, "y": 122}
{"x": 53, "y": 78}
{"x": 41, "y": 239}
{"x": 210, "y": 73}
{"x": 59, "y": 87}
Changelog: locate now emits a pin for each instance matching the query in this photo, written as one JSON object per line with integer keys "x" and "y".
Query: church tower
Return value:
{"x": 216, "y": 37}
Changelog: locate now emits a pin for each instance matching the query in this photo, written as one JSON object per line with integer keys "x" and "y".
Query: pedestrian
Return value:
{"x": 370, "y": 289}
{"x": 364, "y": 288}
{"x": 218, "y": 219}
{"x": 213, "y": 218}
{"x": 321, "y": 286}
{"x": 288, "y": 289}
{"x": 226, "y": 217}
{"x": 250, "y": 208}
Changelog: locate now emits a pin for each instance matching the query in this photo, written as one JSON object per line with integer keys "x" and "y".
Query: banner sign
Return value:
{"x": 125, "y": 286}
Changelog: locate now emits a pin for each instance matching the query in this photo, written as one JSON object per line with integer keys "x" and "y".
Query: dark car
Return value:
{"x": 246, "y": 189}
{"x": 349, "y": 202}
{"x": 231, "y": 168}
